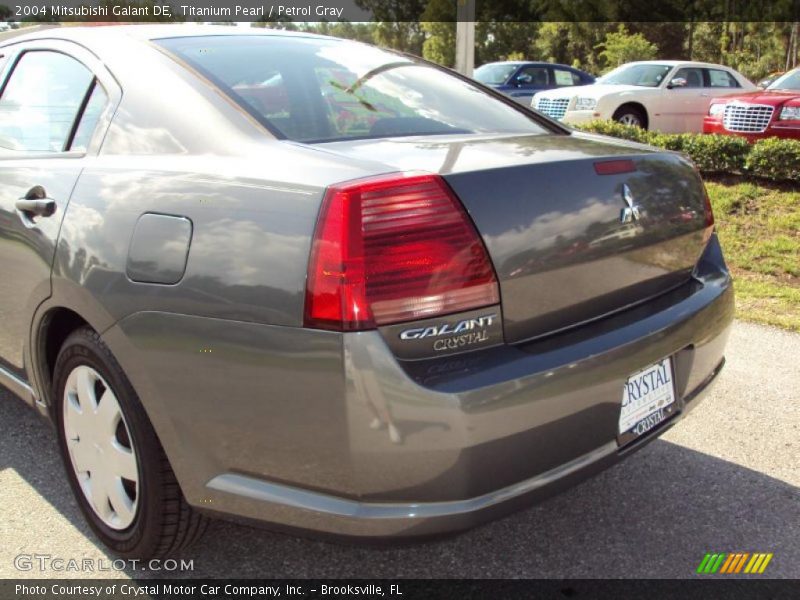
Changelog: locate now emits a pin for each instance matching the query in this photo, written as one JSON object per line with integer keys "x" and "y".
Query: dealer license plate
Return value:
{"x": 648, "y": 399}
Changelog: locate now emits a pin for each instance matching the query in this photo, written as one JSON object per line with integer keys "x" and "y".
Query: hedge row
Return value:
{"x": 771, "y": 158}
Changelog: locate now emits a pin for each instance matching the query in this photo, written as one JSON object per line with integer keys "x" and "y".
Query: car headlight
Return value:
{"x": 790, "y": 113}
{"x": 585, "y": 103}
{"x": 716, "y": 109}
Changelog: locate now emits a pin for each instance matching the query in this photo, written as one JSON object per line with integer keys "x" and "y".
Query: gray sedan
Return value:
{"x": 307, "y": 282}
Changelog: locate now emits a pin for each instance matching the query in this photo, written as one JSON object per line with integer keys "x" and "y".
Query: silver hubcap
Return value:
{"x": 630, "y": 119}
{"x": 100, "y": 448}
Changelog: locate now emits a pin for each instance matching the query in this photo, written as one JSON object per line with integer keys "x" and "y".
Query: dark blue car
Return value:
{"x": 521, "y": 80}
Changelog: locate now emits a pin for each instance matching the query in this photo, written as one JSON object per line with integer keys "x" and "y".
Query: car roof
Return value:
{"x": 675, "y": 63}
{"x": 528, "y": 62}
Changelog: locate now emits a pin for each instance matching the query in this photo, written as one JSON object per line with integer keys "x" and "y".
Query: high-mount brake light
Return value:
{"x": 614, "y": 167}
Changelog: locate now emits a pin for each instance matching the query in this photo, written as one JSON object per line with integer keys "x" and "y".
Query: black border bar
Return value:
{"x": 278, "y": 11}
{"x": 711, "y": 587}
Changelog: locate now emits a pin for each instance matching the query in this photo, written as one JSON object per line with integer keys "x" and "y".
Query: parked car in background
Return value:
{"x": 520, "y": 80}
{"x": 767, "y": 81}
{"x": 315, "y": 310}
{"x": 663, "y": 95}
{"x": 773, "y": 112}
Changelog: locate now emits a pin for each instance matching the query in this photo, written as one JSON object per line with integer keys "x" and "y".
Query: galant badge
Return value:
{"x": 630, "y": 212}
{"x": 448, "y": 329}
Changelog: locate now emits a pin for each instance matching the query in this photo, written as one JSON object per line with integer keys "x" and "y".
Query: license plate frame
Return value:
{"x": 649, "y": 399}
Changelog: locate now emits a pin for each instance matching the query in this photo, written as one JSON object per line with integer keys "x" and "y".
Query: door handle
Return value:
{"x": 38, "y": 208}
{"x": 36, "y": 203}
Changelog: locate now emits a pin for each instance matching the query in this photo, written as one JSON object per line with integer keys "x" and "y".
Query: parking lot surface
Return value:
{"x": 726, "y": 479}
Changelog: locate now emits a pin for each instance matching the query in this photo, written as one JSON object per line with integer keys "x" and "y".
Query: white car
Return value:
{"x": 662, "y": 95}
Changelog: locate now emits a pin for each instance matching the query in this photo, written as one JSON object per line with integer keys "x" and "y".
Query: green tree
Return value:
{"x": 400, "y": 35}
{"x": 361, "y": 32}
{"x": 440, "y": 42}
{"x": 621, "y": 47}
{"x": 756, "y": 49}
{"x": 504, "y": 40}
{"x": 671, "y": 38}
{"x": 439, "y": 27}
{"x": 573, "y": 43}
{"x": 397, "y": 23}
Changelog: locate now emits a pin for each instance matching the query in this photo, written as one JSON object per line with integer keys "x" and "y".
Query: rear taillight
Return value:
{"x": 394, "y": 248}
{"x": 708, "y": 209}
{"x": 709, "y": 214}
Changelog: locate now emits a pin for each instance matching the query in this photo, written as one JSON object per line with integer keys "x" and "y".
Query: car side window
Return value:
{"x": 692, "y": 75}
{"x": 536, "y": 76}
{"x": 98, "y": 98}
{"x": 717, "y": 78}
{"x": 41, "y": 100}
{"x": 564, "y": 78}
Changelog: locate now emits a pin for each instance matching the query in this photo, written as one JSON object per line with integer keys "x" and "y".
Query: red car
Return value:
{"x": 773, "y": 112}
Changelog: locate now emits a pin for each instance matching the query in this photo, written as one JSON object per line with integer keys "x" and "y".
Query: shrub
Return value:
{"x": 676, "y": 142}
{"x": 716, "y": 153}
{"x": 617, "y": 130}
{"x": 774, "y": 159}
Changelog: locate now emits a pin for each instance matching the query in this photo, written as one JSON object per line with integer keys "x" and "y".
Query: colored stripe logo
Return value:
{"x": 732, "y": 563}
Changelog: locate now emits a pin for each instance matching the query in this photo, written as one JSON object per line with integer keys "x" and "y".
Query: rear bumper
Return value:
{"x": 332, "y": 433}
{"x": 344, "y": 517}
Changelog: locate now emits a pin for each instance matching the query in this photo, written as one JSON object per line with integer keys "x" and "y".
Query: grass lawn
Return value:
{"x": 759, "y": 227}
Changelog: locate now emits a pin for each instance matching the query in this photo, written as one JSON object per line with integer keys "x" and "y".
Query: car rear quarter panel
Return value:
{"x": 252, "y": 202}
{"x": 247, "y": 256}
{"x": 235, "y": 314}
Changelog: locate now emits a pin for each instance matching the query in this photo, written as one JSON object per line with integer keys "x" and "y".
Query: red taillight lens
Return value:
{"x": 709, "y": 216}
{"x": 708, "y": 209}
{"x": 391, "y": 249}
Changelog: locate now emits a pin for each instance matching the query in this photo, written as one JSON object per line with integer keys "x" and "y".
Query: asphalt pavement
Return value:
{"x": 726, "y": 479}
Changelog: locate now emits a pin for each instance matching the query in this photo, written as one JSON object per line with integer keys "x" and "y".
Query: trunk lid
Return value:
{"x": 553, "y": 226}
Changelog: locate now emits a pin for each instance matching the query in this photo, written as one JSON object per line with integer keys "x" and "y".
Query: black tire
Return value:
{"x": 631, "y": 115}
{"x": 164, "y": 523}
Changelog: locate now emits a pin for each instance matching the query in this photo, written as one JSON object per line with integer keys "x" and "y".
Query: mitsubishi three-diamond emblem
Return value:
{"x": 631, "y": 211}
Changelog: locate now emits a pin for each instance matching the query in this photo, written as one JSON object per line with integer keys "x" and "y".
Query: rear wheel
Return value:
{"x": 115, "y": 464}
{"x": 631, "y": 115}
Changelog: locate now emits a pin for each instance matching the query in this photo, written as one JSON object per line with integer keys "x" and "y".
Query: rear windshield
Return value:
{"x": 316, "y": 90}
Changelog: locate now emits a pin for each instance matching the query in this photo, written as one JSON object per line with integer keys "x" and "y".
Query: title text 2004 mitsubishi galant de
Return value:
{"x": 305, "y": 281}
